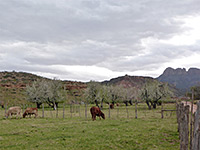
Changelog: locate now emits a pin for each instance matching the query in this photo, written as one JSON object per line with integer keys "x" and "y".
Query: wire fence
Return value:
{"x": 137, "y": 110}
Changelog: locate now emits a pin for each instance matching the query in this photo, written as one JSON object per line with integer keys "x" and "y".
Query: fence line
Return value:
{"x": 139, "y": 110}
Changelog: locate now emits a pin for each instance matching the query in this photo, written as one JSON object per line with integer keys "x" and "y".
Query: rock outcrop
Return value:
{"x": 180, "y": 78}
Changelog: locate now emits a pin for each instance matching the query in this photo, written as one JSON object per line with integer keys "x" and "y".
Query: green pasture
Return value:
{"x": 76, "y": 132}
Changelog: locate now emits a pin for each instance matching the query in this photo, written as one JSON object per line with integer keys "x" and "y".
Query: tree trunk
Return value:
{"x": 147, "y": 102}
{"x": 96, "y": 102}
{"x": 54, "y": 106}
{"x": 131, "y": 102}
{"x": 154, "y": 105}
{"x": 38, "y": 104}
{"x": 126, "y": 103}
{"x": 56, "y": 103}
{"x": 101, "y": 105}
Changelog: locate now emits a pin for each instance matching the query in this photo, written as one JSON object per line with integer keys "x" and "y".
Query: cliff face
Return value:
{"x": 181, "y": 78}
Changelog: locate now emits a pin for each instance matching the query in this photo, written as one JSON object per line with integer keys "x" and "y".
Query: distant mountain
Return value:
{"x": 181, "y": 78}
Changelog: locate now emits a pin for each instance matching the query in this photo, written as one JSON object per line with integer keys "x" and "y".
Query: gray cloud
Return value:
{"x": 38, "y": 34}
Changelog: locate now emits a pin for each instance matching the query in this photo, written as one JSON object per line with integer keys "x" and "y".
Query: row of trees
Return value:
{"x": 52, "y": 92}
{"x": 152, "y": 93}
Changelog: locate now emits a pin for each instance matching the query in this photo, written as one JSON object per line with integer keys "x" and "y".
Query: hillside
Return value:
{"x": 17, "y": 79}
{"x": 13, "y": 84}
{"x": 181, "y": 78}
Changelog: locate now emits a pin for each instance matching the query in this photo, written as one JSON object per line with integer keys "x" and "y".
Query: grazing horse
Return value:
{"x": 95, "y": 111}
{"x": 30, "y": 111}
{"x": 16, "y": 110}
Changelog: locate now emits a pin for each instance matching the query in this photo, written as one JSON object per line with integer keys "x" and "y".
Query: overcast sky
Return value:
{"x": 86, "y": 40}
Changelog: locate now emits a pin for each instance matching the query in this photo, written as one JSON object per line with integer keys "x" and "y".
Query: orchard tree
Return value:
{"x": 103, "y": 95}
{"x": 129, "y": 94}
{"x": 91, "y": 92}
{"x": 37, "y": 92}
{"x": 153, "y": 92}
{"x": 55, "y": 93}
{"x": 45, "y": 91}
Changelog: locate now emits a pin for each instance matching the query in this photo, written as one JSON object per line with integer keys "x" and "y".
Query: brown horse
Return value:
{"x": 30, "y": 111}
{"x": 95, "y": 111}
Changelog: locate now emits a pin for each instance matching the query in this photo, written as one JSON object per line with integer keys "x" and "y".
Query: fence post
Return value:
{"x": 136, "y": 110}
{"x": 178, "y": 114}
{"x": 42, "y": 110}
{"x": 191, "y": 120}
{"x": 127, "y": 112}
{"x": 6, "y": 108}
{"x": 79, "y": 110}
{"x": 196, "y": 138}
{"x": 162, "y": 116}
{"x": 184, "y": 127}
{"x": 57, "y": 112}
{"x": 71, "y": 109}
{"x": 23, "y": 108}
{"x": 63, "y": 110}
{"x": 109, "y": 110}
{"x": 117, "y": 111}
{"x": 85, "y": 110}
{"x": 51, "y": 113}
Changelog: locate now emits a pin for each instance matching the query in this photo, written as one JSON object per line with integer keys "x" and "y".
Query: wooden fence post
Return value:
{"x": 162, "y": 116}
{"x": 79, "y": 110}
{"x": 136, "y": 110}
{"x": 57, "y": 112}
{"x": 127, "y": 112}
{"x": 71, "y": 109}
{"x": 85, "y": 110}
{"x": 196, "y": 138}
{"x": 117, "y": 111}
{"x": 42, "y": 110}
{"x": 51, "y": 113}
{"x": 184, "y": 127}
{"x": 191, "y": 120}
{"x": 109, "y": 110}
{"x": 63, "y": 110}
{"x": 23, "y": 108}
{"x": 178, "y": 114}
{"x": 6, "y": 108}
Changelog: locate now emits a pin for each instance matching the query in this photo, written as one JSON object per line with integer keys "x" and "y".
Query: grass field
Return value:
{"x": 75, "y": 132}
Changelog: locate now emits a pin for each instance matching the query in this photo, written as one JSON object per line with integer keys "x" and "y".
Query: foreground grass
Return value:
{"x": 78, "y": 133}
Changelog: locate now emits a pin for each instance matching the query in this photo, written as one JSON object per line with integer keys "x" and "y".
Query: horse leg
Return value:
{"x": 94, "y": 117}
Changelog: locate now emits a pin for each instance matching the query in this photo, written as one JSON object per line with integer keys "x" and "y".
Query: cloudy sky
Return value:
{"x": 86, "y": 40}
